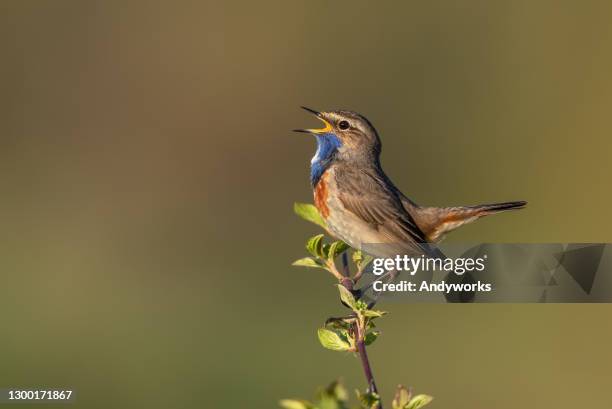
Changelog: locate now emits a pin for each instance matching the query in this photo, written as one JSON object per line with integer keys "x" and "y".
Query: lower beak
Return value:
{"x": 326, "y": 129}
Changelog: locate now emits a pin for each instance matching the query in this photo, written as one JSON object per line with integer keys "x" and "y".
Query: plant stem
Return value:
{"x": 345, "y": 267}
{"x": 365, "y": 362}
{"x": 359, "y": 331}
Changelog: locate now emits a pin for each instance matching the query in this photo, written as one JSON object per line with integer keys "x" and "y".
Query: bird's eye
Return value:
{"x": 344, "y": 125}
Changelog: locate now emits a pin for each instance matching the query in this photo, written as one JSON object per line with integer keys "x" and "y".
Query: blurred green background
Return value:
{"x": 148, "y": 175}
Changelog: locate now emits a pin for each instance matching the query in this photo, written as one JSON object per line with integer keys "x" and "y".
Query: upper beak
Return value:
{"x": 312, "y": 111}
{"x": 326, "y": 129}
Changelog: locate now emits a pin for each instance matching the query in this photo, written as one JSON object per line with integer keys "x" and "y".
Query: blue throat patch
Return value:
{"x": 327, "y": 146}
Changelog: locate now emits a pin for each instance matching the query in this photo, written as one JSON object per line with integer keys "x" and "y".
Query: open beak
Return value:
{"x": 326, "y": 129}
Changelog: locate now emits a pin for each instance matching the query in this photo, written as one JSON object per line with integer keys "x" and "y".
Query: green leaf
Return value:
{"x": 309, "y": 212}
{"x": 308, "y": 262}
{"x": 418, "y": 402}
{"x": 315, "y": 245}
{"x": 368, "y": 399}
{"x": 339, "y": 323}
{"x": 370, "y": 337}
{"x": 329, "y": 402}
{"x": 347, "y": 297}
{"x": 295, "y": 404}
{"x": 373, "y": 313}
{"x": 346, "y": 336}
{"x": 337, "y": 390}
{"x": 361, "y": 259}
{"x": 331, "y": 340}
{"x": 336, "y": 248}
{"x": 334, "y": 396}
{"x": 367, "y": 259}
{"x": 401, "y": 399}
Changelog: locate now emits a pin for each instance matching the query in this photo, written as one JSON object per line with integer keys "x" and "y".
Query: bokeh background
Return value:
{"x": 149, "y": 171}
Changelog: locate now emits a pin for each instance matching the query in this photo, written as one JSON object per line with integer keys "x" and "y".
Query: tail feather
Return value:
{"x": 487, "y": 209}
{"x": 436, "y": 222}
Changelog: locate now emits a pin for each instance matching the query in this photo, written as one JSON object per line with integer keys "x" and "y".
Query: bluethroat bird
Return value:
{"x": 360, "y": 203}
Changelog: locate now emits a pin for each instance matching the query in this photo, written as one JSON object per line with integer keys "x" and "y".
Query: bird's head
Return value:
{"x": 346, "y": 136}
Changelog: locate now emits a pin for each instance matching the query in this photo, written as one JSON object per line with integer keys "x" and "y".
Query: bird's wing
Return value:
{"x": 367, "y": 195}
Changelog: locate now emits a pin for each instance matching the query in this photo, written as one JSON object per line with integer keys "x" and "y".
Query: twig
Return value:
{"x": 359, "y": 330}
{"x": 331, "y": 267}
{"x": 345, "y": 265}
{"x": 365, "y": 362}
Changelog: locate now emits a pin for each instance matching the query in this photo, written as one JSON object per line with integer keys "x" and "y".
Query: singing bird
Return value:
{"x": 360, "y": 203}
